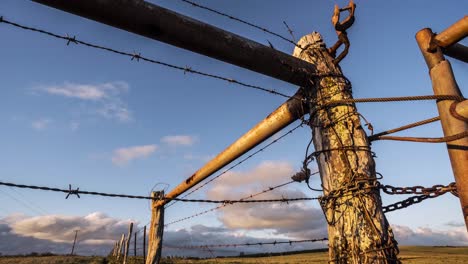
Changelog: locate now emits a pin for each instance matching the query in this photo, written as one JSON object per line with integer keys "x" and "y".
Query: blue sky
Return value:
{"x": 101, "y": 122}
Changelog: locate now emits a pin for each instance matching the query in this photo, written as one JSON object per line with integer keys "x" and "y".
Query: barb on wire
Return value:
{"x": 240, "y": 162}
{"x": 137, "y": 57}
{"x": 242, "y": 21}
{"x": 274, "y": 243}
{"x": 77, "y": 191}
{"x": 73, "y": 192}
{"x": 290, "y": 31}
{"x": 226, "y": 204}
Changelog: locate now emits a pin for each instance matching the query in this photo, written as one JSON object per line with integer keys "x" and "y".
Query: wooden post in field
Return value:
{"x": 443, "y": 83}
{"x": 358, "y": 231}
{"x": 119, "y": 248}
{"x": 144, "y": 244}
{"x": 127, "y": 243}
{"x": 134, "y": 244}
{"x": 116, "y": 247}
{"x": 74, "y": 242}
{"x": 156, "y": 230}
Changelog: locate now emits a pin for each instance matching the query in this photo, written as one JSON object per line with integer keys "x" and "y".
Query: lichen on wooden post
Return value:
{"x": 156, "y": 229}
{"x": 358, "y": 231}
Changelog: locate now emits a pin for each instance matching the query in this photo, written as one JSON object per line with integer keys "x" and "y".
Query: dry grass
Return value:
{"x": 409, "y": 254}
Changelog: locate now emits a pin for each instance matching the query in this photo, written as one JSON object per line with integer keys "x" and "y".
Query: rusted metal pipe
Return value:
{"x": 284, "y": 115}
{"x": 443, "y": 82}
{"x": 457, "y": 51}
{"x": 453, "y": 34}
{"x": 161, "y": 24}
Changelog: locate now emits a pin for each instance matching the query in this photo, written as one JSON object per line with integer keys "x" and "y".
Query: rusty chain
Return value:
{"x": 368, "y": 185}
{"x": 432, "y": 191}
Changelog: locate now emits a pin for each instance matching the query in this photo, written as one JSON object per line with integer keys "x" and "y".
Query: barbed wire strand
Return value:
{"x": 242, "y": 21}
{"x": 137, "y": 56}
{"x": 77, "y": 192}
{"x": 274, "y": 243}
{"x": 224, "y": 205}
{"x": 239, "y": 163}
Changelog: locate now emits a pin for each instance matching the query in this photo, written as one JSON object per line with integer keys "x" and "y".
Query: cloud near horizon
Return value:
{"x": 123, "y": 156}
{"x": 105, "y": 97}
{"x": 21, "y": 234}
{"x": 55, "y": 233}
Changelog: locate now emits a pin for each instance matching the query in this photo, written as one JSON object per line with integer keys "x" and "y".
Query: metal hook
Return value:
{"x": 340, "y": 28}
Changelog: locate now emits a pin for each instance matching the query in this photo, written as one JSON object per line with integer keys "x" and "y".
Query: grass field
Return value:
{"x": 409, "y": 254}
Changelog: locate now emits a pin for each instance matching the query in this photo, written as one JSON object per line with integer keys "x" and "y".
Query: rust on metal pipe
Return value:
{"x": 287, "y": 113}
{"x": 161, "y": 24}
{"x": 453, "y": 34}
{"x": 443, "y": 82}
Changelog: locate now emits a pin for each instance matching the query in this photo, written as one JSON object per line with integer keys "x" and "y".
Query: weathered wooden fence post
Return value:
{"x": 358, "y": 231}
{"x": 119, "y": 248}
{"x": 116, "y": 247}
{"x": 127, "y": 243}
{"x": 144, "y": 244}
{"x": 134, "y": 244}
{"x": 156, "y": 230}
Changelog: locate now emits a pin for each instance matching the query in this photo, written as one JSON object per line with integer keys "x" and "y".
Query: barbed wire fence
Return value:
{"x": 419, "y": 193}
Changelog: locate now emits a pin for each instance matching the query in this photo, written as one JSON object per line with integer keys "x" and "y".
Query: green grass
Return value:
{"x": 409, "y": 254}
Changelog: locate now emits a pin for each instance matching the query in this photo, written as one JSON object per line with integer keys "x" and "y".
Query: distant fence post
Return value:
{"x": 119, "y": 249}
{"x": 127, "y": 243}
{"x": 134, "y": 244}
{"x": 144, "y": 244}
{"x": 116, "y": 247}
{"x": 156, "y": 230}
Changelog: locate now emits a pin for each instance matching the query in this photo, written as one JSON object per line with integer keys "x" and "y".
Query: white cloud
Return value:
{"x": 115, "y": 109}
{"x": 104, "y": 97}
{"x": 204, "y": 158}
{"x": 179, "y": 140}
{"x": 123, "y": 156}
{"x": 94, "y": 227}
{"x": 298, "y": 220}
{"x": 74, "y": 125}
{"x": 41, "y": 124}
{"x": 425, "y": 236}
{"x": 54, "y": 233}
{"x": 86, "y": 91}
